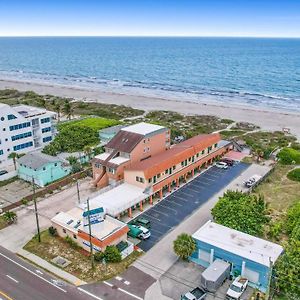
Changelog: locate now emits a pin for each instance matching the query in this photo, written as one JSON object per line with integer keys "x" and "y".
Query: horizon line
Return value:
{"x": 147, "y": 36}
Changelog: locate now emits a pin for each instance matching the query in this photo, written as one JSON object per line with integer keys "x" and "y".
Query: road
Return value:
{"x": 21, "y": 281}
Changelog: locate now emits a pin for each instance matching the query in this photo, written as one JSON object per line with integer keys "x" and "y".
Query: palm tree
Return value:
{"x": 10, "y": 217}
{"x": 68, "y": 109}
{"x": 57, "y": 108}
{"x": 184, "y": 246}
{"x": 14, "y": 157}
{"x": 88, "y": 151}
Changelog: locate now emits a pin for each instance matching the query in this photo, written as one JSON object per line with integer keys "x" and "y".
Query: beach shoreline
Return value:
{"x": 267, "y": 119}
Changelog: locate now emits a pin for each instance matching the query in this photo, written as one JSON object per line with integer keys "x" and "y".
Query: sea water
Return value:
{"x": 248, "y": 71}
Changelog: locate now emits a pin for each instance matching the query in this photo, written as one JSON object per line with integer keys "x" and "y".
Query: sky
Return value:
{"x": 254, "y": 18}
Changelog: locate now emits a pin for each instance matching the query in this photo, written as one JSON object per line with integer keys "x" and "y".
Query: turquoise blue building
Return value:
{"x": 248, "y": 256}
{"x": 43, "y": 168}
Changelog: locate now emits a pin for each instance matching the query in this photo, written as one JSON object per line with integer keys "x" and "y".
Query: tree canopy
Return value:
{"x": 240, "y": 211}
{"x": 184, "y": 246}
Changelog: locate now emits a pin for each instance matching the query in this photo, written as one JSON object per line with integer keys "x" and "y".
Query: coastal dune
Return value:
{"x": 267, "y": 119}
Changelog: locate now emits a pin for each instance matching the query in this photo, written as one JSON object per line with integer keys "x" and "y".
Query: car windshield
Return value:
{"x": 235, "y": 288}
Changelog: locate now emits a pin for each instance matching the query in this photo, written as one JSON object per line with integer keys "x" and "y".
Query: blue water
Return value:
{"x": 257, "y": 72}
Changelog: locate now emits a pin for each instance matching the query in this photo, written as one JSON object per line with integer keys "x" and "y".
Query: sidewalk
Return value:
{"x": 50, "y": 268}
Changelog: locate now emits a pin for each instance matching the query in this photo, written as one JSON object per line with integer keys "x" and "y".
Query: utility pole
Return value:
{"x": 90, "y": 234}
{"x": 36, "y": 212}
{"x": 269, "y": 278}
{"x": 78, "y": 194}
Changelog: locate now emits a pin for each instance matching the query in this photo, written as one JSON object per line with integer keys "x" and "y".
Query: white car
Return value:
{"x": 145, "y": 233}
{"x": 252, "y": 181}
{"x": 237, "y": 288}
{"x": 221, "y": 165}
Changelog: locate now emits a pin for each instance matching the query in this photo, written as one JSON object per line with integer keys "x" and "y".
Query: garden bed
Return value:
{"x": 80, "y": 266}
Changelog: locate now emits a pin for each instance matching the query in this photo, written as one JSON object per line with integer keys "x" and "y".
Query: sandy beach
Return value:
{"x": 266, "y": 119}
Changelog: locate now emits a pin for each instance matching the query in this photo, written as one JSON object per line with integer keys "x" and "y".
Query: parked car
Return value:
{"x": 221, "y": 165}
{"x": 137, "y": 231}
{"x": 3, "y": 172}
{"x": 237, "y": 288}
{"x": 141, "y": 221}
{"x": 252, "y": 181}
{"x": 145, "y": 234}
{"x": 196, "y": 294}
{"x": 228, "y": 161}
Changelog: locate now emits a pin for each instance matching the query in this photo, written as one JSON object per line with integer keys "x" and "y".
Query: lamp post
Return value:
{"x": 90, "y": 234}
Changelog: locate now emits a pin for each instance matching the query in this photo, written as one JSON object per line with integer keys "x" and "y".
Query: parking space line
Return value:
{"x": 185, "y": 200}
{"x": 167, "y": 207}
{"x": 173, "y": 202}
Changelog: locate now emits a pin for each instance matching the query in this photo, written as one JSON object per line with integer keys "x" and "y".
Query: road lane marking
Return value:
{"x": 88, "y": 293}
{"x": 124, "y": 291}
{"x": 16, "y": 281}
{"x": 5, "y": 295}
{"x": 28, "y": 270}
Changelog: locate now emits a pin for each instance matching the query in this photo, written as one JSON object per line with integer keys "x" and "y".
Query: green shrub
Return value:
{"x": 52, "y": 231}
{"x": 294, "y": 175}
{"x": 288, "y": 156}
{"x": 71, "y": 242}
{"x": 293, "y": 217}
{"x": 112, "y": 254}
{"x": 275, "y": 230}
{"x": 98, "y": 256}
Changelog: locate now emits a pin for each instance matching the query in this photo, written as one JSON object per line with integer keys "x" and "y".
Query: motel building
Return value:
{"x": 139, "y": 165}
{"x": 248, "y": 256}
{"x": 105, "y": 230}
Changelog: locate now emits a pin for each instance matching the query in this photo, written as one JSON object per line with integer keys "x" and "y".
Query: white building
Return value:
{"x": 24, "y": 128}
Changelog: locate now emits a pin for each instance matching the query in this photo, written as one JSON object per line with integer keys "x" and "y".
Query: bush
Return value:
{"x": 294, "y": 175}
{"x": 112, "y": 254}
{"x": 293, "y": 217}
{"x": 243, "y": 212}
{"x": 288, "y": 156}
{"x": 98, "y": 256}
{"x": 52, "y": 231}
{"x": 71, "y": 242}
{"x": 184, "y": 246}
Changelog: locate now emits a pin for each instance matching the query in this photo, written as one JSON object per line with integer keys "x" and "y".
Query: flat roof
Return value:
{"x": 118, "y": 199}
{"x": 143, "y": 128}
{"x": 118, "y": 160}
{"x": 102, "y": 156}
{"x": 28, "y": 111}
{"x": 239, "y": 243}
{"x": 73, "y": 221}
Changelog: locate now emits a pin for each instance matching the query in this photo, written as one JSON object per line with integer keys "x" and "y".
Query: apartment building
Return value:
{"x": 130, "y": 145}
{"x": 23, "y": 129}
{"x": 165, "y": 170}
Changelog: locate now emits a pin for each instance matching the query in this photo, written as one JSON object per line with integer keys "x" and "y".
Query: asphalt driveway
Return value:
{"x": 180, "y": 204}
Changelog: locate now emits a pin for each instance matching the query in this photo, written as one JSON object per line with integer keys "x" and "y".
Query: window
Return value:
{"x": 11, "y": 117}
{"x": 64, "y": 230}
{"x": 111, "y": 170}
{"x": 19, "y": 126}
{"x": 45, "y": 120}
{"x": 167, "y": 171}
{"x": 139, "y": 179}
{"x": 75, "y": 236}
{"x": 47, "y": 139}
{"x": 22, "y": 146}
{"x": 216, "y": 145}
{"x": 174, "y": 167}
{"x": 44, "y": 169}
{"x": 158, "y": 175}
{"x": 202, "y": 151}
{"x": 150, "y": 180}
{"x": 190, "y": 159}
{"x": 1, "y": 152}
{"x": 97, "y": 165}
{"x": 2, "y": 118}
{"x": 197, "y": 155}
{"x": 55, "y": 165}
{"x": 21, "y": 136}
{"x": 46, "y": 129}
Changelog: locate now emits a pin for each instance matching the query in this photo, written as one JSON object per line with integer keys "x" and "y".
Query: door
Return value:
{"x": 251, "y": 275}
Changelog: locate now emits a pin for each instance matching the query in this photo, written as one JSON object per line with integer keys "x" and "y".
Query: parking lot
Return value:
{"x": 178, "y": 205}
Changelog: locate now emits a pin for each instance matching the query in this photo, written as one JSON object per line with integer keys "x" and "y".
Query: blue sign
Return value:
{"x": 96, "y": 216}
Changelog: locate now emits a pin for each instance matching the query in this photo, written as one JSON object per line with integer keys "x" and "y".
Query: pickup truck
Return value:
{"x": 237, "y": 288}
{"x": 196, "y": 294}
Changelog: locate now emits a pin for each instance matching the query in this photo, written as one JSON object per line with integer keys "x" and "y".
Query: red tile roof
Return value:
{"x": 178, "y": 153}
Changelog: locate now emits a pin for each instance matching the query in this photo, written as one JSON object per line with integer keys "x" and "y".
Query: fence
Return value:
{"x": 49, "y": 188}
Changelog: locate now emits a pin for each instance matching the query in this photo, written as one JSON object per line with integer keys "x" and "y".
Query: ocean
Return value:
{"x": 246, "y": 71}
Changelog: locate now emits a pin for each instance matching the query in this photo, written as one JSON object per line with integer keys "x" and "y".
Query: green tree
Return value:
{"x": 10, "y": 217}
{"x": 14, "y": 156}
{"x": 112, "y": 254}
{"x": 240, "y": 211}
{"x": 88, "y": 151}
{"x": 184, "y": 246}
{"x": 287, "y": 271}
{"x": 68, "y": 109}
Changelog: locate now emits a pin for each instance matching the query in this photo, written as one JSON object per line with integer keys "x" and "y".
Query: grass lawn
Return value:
{"x": 278, "y": 190}
{"x": 80, "y": 266}
{"x": 3, "y": 223}
{"x": 226, "y": 134}
{"x": 94, "y": 123}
